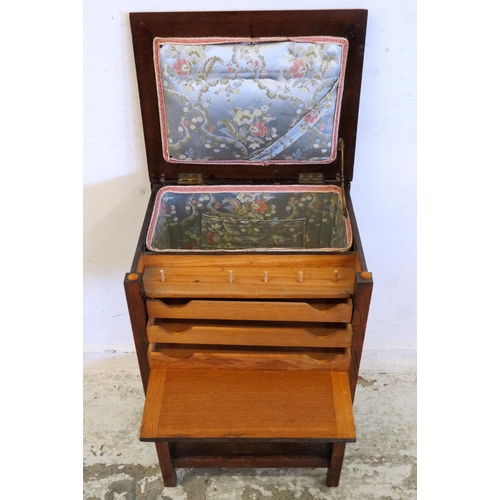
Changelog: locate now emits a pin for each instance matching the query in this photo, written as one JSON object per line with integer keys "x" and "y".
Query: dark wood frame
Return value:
{"x": 145, "y": 27}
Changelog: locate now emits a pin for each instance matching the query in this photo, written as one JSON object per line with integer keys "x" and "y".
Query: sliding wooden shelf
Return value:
{"x": 249, "y": 333}
{"x": 326, "y": 310}
{"x": 239, "y": 357}
{"x": 248, "y": 404}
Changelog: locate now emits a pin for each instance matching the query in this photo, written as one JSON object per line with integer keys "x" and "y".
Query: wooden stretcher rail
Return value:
{"x": 260, "y": 461}
{"x": 326, "y": 311}
{"x": 250, "y": 453}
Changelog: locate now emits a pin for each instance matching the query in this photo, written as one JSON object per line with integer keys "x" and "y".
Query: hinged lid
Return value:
{"x": 258, "y": 96}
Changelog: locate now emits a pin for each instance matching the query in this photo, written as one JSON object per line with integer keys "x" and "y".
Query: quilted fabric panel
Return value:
{"x": 251, "y": 101}
{"x": 240, "y": 234}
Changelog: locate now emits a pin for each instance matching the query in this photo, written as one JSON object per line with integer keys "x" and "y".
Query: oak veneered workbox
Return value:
{"x": 249, "y": 292}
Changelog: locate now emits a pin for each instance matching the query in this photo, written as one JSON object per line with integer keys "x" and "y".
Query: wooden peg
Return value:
{"x": 133, "y": 277}
{"x": 301, "y": 276}
{"x": 266, "y": 276}
{"x": 335, "y": 276}
{"x": 366, "y": 275}
{"x": 162, "y": 275}
{"x": 231, "y": 277}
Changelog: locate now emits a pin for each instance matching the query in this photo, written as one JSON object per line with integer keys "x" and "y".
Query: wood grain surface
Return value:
{"x": 320, "y": 311}
{"x": 228, "y": 404}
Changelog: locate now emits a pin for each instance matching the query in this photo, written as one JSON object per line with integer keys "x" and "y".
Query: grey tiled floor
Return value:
{"x": 380, "y": 465}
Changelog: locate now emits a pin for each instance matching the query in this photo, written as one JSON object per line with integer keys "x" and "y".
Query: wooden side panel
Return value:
{"x": 138, "y": 263}
{"x": 138, "y": 319}
{"x": 363, "y": 292}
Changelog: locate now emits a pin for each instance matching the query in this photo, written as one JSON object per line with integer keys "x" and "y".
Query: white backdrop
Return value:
{"x": 116, "y": 186}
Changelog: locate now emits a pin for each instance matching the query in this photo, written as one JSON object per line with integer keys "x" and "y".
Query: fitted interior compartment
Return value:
{"x": 239, "y": 218}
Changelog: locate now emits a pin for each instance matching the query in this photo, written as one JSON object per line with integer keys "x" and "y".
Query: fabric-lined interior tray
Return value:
{"x": 249, "y": 218}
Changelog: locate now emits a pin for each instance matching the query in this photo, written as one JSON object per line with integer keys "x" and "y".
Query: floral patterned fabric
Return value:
{"x": 249, "y": 218}
{"x": 255, "y": 101}
{"x": 241, "y": 234}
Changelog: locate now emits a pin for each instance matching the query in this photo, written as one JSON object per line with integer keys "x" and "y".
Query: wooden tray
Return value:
{"x": 247, "y": 404}
{"x": 244, "y": 333}
{"x": 320, "y": 311}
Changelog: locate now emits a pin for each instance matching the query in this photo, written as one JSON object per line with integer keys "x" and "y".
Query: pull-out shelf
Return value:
{"x": 257, "y": 333}
{"x": 323, "y": 310}
{"x": 248, "y": 418}
{"x": 261, "y": 405}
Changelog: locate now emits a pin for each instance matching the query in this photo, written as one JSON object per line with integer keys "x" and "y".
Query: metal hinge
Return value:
{"x": 311, "y": 178}
{"x": 190, "y": 178}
